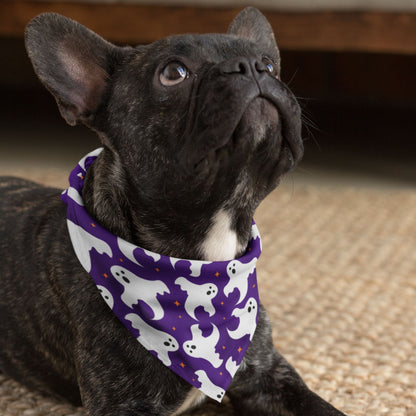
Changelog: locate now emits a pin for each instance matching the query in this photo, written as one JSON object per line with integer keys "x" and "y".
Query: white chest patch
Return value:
{"x": 221, "y": 241}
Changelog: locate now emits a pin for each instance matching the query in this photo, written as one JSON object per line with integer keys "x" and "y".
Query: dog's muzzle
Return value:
{"x": 223, "y": 99}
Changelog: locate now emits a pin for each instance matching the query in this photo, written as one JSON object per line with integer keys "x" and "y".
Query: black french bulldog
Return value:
{"x": 197, "y": 130}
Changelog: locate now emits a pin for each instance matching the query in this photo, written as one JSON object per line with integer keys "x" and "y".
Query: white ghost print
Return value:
{"x": 136, "y": 288}
{"x": 247, "y": 316}
{"x": 198, "y": 295}
{"x": 208, "y": 387}
{"x": 83, "y": 242}
{"x": 239, "y": 273}
{"x": 153, "y": 339}
{"x": 203, "y": 347}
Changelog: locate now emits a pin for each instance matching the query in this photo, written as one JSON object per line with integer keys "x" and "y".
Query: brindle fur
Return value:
{"x": 172, "y": 158}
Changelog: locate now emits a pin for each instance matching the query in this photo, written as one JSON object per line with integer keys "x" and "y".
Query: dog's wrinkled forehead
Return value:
{"x": 205, "y": 49}
{"x": 215, "y": 47}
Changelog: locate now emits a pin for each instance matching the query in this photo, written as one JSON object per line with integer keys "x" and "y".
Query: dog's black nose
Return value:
{"x": 243, "y": 66}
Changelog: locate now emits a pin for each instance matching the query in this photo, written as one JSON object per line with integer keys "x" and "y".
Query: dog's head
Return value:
{"x": 195, "y": 122}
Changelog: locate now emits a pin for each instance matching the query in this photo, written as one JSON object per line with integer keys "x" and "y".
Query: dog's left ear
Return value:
{"x": 251, "y": 24}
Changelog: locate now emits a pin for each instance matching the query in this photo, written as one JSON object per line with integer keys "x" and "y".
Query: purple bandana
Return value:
{"x": 197, "y": 317}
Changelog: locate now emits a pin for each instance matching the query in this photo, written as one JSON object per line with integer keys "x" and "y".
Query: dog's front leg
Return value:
{"x": 267, "y": 385}
{"x": 117, "y": 376}
{"x": 105, "y": 393}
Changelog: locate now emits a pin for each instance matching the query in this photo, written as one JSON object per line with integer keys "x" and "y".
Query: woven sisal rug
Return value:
{"x": 338, "y": 276}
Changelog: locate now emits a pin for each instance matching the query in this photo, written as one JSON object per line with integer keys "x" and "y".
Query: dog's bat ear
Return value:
{"x": 73, "y": 63}
{"x": 251, "y": 24}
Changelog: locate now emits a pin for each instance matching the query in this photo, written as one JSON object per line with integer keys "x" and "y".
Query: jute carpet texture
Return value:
{"x": 338, "y": 277}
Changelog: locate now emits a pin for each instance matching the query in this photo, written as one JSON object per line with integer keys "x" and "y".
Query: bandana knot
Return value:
{"x": 197, "y": 317}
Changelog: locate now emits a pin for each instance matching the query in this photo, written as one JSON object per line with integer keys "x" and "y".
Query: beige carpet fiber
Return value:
{"x": 338, "y": 276}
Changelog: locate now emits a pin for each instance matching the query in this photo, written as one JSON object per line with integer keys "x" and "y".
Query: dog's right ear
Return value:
{"x": 73, "y": 63}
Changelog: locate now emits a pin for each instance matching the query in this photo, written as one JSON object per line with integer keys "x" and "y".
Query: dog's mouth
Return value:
{"x": 248, "y": 131}
{"x": 266, "y": 118}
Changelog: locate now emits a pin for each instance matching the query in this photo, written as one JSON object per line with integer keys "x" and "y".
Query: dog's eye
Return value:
{"x": 271, "y": 67}
{"x": 173, "y": 73}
